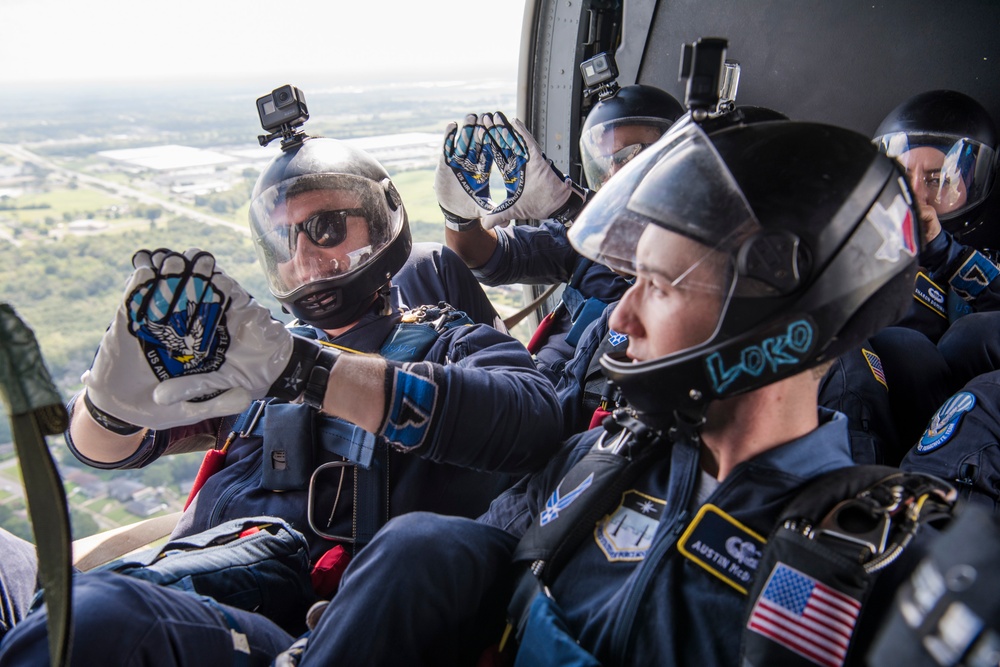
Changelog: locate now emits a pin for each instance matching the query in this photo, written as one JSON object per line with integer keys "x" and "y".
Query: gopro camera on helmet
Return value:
{"x": 600, "y": 75}
{"x": 711, "y": 79}
{"x": 283, "y": 110}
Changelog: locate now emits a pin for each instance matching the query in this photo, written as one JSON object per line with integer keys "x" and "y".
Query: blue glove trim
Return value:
{"x": 413, "y": 391}
{"x": 973, "y": 276}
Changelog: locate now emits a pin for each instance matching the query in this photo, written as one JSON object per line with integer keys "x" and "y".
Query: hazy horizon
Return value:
{"x": 60, "y": 42}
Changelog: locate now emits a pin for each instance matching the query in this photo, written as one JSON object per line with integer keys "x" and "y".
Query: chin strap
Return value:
{"x": 686, "y": 424}
{"x": 581, "y": 498}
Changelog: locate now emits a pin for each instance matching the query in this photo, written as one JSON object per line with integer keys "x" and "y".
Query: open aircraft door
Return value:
{"x": 847, "y": 63}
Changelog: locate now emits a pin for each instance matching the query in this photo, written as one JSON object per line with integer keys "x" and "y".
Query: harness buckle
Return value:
{"x": 859, "y": 522}
{"x": 343, "y": 465}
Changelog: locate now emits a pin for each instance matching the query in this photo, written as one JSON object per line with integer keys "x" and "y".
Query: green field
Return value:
{"x": 76, "y": 202}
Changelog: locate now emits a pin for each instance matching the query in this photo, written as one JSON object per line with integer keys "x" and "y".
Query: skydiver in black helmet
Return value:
{"x": 946, "y": 143}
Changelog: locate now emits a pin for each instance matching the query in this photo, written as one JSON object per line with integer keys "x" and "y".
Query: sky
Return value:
{"x": 56, "y": 41}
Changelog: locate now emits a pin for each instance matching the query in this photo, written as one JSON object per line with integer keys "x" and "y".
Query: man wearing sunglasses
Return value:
{"x": 359, "y": 413}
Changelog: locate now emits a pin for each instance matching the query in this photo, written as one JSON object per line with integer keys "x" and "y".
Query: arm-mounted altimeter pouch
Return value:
{"x": 288, "y": 448}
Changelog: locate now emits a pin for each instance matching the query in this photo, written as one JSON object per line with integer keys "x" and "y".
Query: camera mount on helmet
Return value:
{"x": 600, "y": 75}
{"x": 281, "y": 112}
{"x": 711, "y": 80}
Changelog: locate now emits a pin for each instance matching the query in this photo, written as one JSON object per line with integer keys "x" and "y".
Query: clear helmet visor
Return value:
{"x": 951, "y": 174}
{"x": 607, "y": 147}
{"x": 675, "y": 218}
{"x": 321, "y": 226}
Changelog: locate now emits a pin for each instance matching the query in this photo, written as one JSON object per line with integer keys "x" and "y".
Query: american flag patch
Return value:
{"x": 805, "y": 616}
{"x": 875, "y": 364}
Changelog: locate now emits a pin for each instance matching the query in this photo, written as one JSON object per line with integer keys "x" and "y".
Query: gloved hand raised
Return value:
{"x": 186, "y": 344}
{"x": 536, "y": 189}
{"x": 462, "y": 178}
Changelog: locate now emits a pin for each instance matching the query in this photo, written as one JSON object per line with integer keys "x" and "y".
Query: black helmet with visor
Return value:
{"x": 796, "y": 241}
{"x": 618, "y": 127}
{"x": 330, "y": 231}
{"x": 947, "y": 143}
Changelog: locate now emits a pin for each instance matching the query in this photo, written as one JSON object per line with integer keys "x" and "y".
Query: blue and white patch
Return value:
{"x": 179, "y": 321}
{"x": 627, "y": 533}
{"x": 615, "y": 338}
{"x": 945, "y": 422}
{"x": 413, "y": 400}
{"x": 559, "y": 501}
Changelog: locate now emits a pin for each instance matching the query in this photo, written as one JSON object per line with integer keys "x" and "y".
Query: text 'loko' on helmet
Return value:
{"x": 797, "y": 240}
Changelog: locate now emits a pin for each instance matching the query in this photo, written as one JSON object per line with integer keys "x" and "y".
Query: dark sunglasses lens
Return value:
{"x": 622, "y": 157}
{"x": 327, "y": 228}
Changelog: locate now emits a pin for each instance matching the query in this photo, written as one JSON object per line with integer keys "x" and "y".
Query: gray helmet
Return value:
{"x": 793, "y": 242}
{"x": 330, "y": 230}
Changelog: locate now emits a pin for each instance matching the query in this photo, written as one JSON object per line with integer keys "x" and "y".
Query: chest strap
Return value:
{"x": 580, "y": 499}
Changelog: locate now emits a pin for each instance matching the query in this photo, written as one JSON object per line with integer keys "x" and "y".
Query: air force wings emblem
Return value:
{"x": 558, "y": 501}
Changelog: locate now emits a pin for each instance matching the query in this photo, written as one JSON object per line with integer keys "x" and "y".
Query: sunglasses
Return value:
{"x": 325, "y": 229}
{"x": 622, "y": 156}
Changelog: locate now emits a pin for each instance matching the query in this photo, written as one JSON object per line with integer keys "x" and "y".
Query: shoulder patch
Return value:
{"x": 974, "y": 276}
{"x": 413, "y": 391}
{"x": 627, "y": 533}
{"x": 945, "y": 422}
{"x": 723, "y": 546}
{"x": 875, "y": 364}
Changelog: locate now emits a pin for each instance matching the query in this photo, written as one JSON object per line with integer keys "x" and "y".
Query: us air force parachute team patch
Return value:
{"x": 179, "y": 320}
{"x": 945, "y": 422}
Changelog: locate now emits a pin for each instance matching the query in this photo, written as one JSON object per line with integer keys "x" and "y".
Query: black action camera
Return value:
{"x": 283, "y": 110}
{"x": 284, "y": 106}
{"x": 702, "y": 69}
{"x": 600, "y": 74}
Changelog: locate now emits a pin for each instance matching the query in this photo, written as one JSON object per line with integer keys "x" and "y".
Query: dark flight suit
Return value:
{"x": 491, "y": 414}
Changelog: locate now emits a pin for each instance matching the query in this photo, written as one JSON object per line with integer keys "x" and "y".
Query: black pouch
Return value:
{"x": 288, "y": 458}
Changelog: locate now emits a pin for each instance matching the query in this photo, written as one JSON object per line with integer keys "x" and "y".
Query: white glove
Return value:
{"x": 186, "y": 344}
{"x": 536, "y": 190}
{"x": 462, "y": 178}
